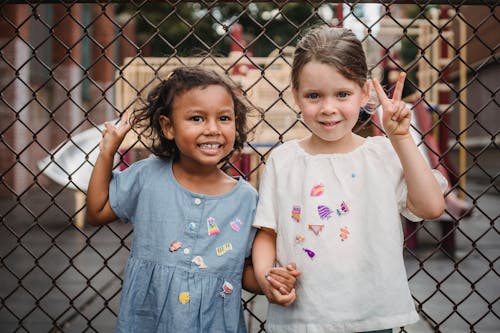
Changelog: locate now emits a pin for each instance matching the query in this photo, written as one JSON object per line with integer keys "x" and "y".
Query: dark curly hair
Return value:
{"x": 160, "y": 102}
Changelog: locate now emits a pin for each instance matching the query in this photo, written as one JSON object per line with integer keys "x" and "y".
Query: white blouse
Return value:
{"x": 338, "y": 217}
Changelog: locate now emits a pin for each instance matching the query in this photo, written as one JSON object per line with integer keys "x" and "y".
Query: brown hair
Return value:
{"x": 161, "y": 99}
{"x": 337, "y": 47}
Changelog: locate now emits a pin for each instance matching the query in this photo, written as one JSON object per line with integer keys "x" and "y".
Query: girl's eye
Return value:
{"x": 313, "y": 95}
{"x": 225, "y": 118}
{"x": 197, "y": 118}
{"x": 343, "y": 94}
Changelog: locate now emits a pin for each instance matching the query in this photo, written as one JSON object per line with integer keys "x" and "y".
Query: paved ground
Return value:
{"x": 55, "y": 275}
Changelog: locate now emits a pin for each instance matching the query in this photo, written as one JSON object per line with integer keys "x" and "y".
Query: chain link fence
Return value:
{"x": 66, "y": 67}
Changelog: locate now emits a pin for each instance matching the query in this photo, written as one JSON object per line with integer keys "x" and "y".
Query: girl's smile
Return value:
{"x": 210, "y": 148}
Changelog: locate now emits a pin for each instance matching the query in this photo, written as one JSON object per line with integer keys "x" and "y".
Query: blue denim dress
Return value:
{"x": 185, "y": 267}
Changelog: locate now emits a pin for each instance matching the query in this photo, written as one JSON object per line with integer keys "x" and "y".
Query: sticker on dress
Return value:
{"x": 344, "y": 209}
{"x": 325, "y": 212}
{"x": 310, "y": 253}
{"x": 316, "y": 228}
{"x": 223, "y": 249}
{"x": 299, "y": 239}
{"x": 236, "y": 224}
{"x": 198, "y": 260}
{"x": 296, "y": 212}
{"x": 174, "y": 246}
{"x": 227, "y": 289}
{"x": 184, "y": 297}
{"x": 213, "y": 229}
{"x": 317, "y": 190}
{"x": 344, "y": 233}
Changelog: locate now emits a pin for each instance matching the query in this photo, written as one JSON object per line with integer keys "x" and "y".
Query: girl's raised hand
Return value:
{"x": 113, "y": 135}
{"x": 396, "y": 115}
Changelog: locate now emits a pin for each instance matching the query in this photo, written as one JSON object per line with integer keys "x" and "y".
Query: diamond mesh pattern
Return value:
{"x": 68, "y": 66}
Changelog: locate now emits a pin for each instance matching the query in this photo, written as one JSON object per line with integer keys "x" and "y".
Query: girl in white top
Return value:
{"x": 331, "y": 201}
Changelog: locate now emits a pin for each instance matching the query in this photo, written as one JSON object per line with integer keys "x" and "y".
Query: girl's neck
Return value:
{"x": 314, "y": 145}
{"x": 210, "y": 180}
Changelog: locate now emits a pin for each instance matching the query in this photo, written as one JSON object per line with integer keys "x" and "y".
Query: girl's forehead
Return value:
{"x": 210, "y": 96}
{"x": 313, "y": 70}
{"x": 318, "y": 75}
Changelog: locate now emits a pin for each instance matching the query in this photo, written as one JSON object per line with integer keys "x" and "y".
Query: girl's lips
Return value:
{"x": 329, "y": 123}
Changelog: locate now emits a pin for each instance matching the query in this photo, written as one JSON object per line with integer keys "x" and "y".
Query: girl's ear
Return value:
{"x": 167, "y": 127}
{"x": 295, "y": 96}
{"x": 366, "y": 92}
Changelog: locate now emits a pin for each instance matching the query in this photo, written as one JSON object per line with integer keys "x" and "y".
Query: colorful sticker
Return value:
{"x": 299, "y": 239}
{"x": 316, "y": 228}
{"x": 198, "y": 260}
{"x": 296, "y": 213}
{"x": 184, "y": 297}
{"x": 235, "y": 226}
{"x": 223, "y": 249}
{"x": 325, "y": 212}
{"x": 213, "y": 229}
{"x": 317, "y": 190}
{"x": 310, "y": 253}
{"x": 227, "y": 288}
{"x": 174, "y": 246}
{"x": 344, "y": 232}
{"x": 344, "y": 209}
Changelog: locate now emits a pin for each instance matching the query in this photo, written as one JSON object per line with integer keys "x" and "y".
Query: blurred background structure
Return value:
{"x": 66, "y": 67}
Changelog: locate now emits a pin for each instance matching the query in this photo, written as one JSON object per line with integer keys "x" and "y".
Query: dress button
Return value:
{"x": 197, "y": 201}
{"x": 186, "y": 251}
{"x": 192, "y": 226}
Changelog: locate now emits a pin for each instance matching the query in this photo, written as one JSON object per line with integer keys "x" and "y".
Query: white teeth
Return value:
{"x": 209, "y": 146}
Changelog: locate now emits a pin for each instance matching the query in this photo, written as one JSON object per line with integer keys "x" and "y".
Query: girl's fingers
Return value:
{"x": 398, "y": 91}
{"x": 108, "y": 127}
{"x": 401, "y": 113}
{"x": 381, "y": 95}
{"x": 290, "y": 298}
{"x": 285, "y": 275}
{"x": 125, "y": 119}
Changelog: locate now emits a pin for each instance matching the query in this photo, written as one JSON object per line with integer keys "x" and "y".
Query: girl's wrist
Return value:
{"x": 107, "y": 155}
{"x": 400, "y": 138}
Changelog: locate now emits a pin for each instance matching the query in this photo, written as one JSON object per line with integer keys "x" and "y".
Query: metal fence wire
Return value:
{"x": 66, "y": 67}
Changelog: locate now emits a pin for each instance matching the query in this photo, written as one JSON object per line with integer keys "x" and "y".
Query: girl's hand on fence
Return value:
{"x": 113, "y": 135}
{"x": 396, "y": 115}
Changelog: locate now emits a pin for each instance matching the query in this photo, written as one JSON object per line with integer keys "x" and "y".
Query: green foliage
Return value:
{"x": 199, "y": 28}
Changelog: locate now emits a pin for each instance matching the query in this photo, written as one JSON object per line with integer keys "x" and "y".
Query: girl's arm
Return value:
{"x": 425, "y": 198}
{"x": 99, "y": 210}
{"x": 249, "y": 281}
{"x": 267, "y": 276}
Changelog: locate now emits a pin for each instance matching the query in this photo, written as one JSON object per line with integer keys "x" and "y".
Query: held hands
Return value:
{"x": 280, "y": 284}
{"x": 113, "y": 135}
{"x": 396, "y": 116}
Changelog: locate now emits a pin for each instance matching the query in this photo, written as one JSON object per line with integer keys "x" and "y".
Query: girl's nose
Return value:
{"x": 212, "y": 128}
{"x": 328, "y": 106}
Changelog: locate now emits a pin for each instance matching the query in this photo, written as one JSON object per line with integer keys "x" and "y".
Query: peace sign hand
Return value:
{"x": 396, "y": 115}
{"x": 113, "y": 135}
